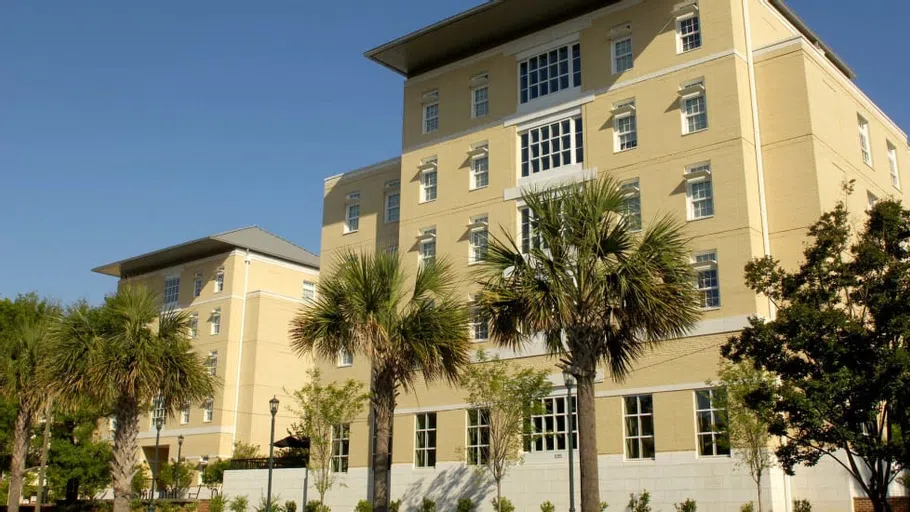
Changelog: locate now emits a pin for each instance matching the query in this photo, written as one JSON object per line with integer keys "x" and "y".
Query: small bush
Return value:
{"x": 505, "y": 506}
{"x": 686, "y": 506}
{"x": 289, "y": 506}
{"x": 428, "y": 505}
{"x": 603, "y": 506}
{"x": 276, "y": 504}
{"x": 363, "y": 506}
{"x": 547, "y": 507}
{"x": 747, "y": 507}
{"x": 802, "y": 506}
{"x": 216, "y": 504}
{"x": 316, "y": 506}
{"x": 394, "y": 506}
{"x": 239, "y": 504}
{"x": 640, "y": 503}
{"x": 465, "y": 505}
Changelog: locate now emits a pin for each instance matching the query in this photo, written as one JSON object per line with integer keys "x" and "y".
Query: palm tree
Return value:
{"x": 598, "y": 293}
{"x": 24, "y": 340}
{"x": 366, "y": 307}
{"x": 127, "y": 353}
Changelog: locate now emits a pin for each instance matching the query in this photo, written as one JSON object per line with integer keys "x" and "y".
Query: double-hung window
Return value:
{"x": 530, "y": 235}
{"x": 479, "y": 236}
{"x": 341, "y": 447}
{"x": 309, "y": 291}
{"x": 197, "y": 284}
{"x": 158, "y": 410}
{"x": 688, "y": 33}
{"x": 864, "y": 143}
{"x": 193, "y": 324}
{"x": 639, "y": 426}
{"x": 711, "y": 418}
{"x": 694, "y": 107}
{"x": 706, "y": 279}
{"x": 550, "y": 428}
{"x": 208, "y": 409}
{"x": 211, "y": 363}
{"x": 699, "y": 191}
{"x": 480, "y": 100}
{"x": 625, "y": 126}
{"x": 216, "y": 321}
{"x": 551, "y": 146}
{"x": 892, "y": 166}
{"x": 871, "y": 200}
{"x": 428, "y": 172}
{"x": 219, "y": 280}
{"x": 185, "y": 414}
{"x": 549, "y": 72}
{"x": 622, "y": 54}
{"x": 427, "y": 246}
{"x": 352, "y": 212}
{"x": 480, "y": 324}
{"x": 431, "y": 111}
{"x": 478, "y": 444}
{"x": 392, "y": 201}
{"x": 345, "y": 358}
{"x": 425, "y": 445}
{"x": 632, "y": 205}
{"x": 480, "y": 171}
{"x": 171, "y": 291}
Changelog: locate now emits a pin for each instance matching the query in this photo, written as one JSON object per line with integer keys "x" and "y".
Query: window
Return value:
{"x": 699, "y": 191}
{"x": 392, "y": 248}
{"x": 549, "y": 72}
{"x": 430, "y": 112}
{"x": 219, "y": 280}
{"x": 193, "y": 324}
{"x": 428, "y": 246}
{"x": 480, "y": 171}
{"x": 478, "y": 239}
{"x": 478, "y": 437}
{"x": 639, "y": 418}
{"x": 158, "y": 410}
{"x": 392, "y": 206}
{"x": 216, "y": 321}
{"x": 352, "y": 213}
{"x": 694, "y": 107}
{"x": 341, "y": 447}
{"x": 688, "y": 33}
{"x": 713, "y": 438}
{"x": 892, "y": 166}
{"x": 197, "y": 284}
{"x": 871, "y": 199}
{"x": 625, "y": 129}
{"x": 185, "y": 414}
{"x": 707, "y": 282}
{"x": 551, "y": 427}
{"x": 171, "y": 291}
{"x": 425, "y": 455}
{"x": 864, "y": 140}
{"x": 530, "y": 238}
{"x": 211, "y": 363}
{"x": 309, "y": 291}
{"x": 208, "y": 409}
{"x": 480, "y": 324}
{"x": 632, "y": 205}
{"x": 345, "y": 358}
{"x": 480, "y": 101}
{"x": 622, "y": 54}
{"x": 552, "y": 145}
{"x": 428, "y": 182}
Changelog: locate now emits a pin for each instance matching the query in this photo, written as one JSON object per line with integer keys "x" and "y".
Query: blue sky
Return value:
{"x": 130, "y": 126}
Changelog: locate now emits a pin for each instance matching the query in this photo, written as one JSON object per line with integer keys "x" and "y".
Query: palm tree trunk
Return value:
{"x": 587, "y": 444}
{"x": 384, "y": 404}
{"x": 45, "y": 448}
{"x": 21, "y": 436}
{"x": 125, "y": 448}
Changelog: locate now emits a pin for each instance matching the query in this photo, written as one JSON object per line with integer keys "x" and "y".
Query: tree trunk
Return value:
{"x": 21, "y": 435}
{"x": 125, "y": 448}
{"x": 758, "y": 488}
{"x": 587, "y": 444}
{"x": 499, "y": 496}
{"x": 45, "y": 447}
{"x": 384, "y": 407}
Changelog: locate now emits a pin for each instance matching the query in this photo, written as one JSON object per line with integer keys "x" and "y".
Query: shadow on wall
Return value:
{"x": 449, "y": 486}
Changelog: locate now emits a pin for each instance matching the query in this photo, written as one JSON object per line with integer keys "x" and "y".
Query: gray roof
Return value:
{"x": 252, "y": 238}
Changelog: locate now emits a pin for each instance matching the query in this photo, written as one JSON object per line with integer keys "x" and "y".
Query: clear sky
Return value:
{"x": 126, "y": 127}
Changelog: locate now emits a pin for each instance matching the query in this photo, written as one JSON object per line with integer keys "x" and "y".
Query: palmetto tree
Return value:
{"x": 594, "y": 290}
{"x": 369, "y": 306}
{"x": 126, "y": 353}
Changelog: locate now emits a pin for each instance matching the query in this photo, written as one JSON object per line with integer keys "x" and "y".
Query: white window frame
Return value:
{"x": 712, "y": 412}
{"x": 345, "y": 359}
{"x": 705, "y": 262}
{"x": 219, "y": 280}
{"x": 698, "y": 174}
{"x": 893, "y": 168}
{"x": 430, "y": 99}
{"x": 480, "y": 324}
{"x": 308, "y": 291}
{"x": 341, "y": 448}
{"x": 625, "y": 111}
{"x": 553, "y": 159}
{"x": 632, "y": 191}
{"x": 352, "y": 220}
{"x": 197, "y": 284}
{"x": 158, "y": 411}
{"x": 185, "y": 414}
{"x": 699, "y": 33}
{"x": 573, "y": 72}
{"x": 871, "y": 200}
{"x": 389, "y": 207}
{"x": 693, "y": 91}
{"x": 427, "y": 241}
{"x": 480, "y": 83}
{"x": 216, "y": 322}
{"x": 193, "y": 325}
{"x": 208, "y": 410}
{"x": 478, "y": 231}
{"x": 865, "y": 140}
{"x": 211, "y": 363}
{"x": 528, "y": 238}
{"x": 543, "y": 439}
{"x": 426, "y": 450}
{"x": 171, "y": 291}
{"x": 429, "y": 167}
{"x": 478, "y": 171}
{"x": 638, "y": 419}
{"x": 615, "y": 56}
{"x": 478, "y": 428}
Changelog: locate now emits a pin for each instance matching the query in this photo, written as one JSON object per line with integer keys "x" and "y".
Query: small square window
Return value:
{"x": 688, "y": 33}
{"x": 345, "y": 358}
{"x": 622, "y": 55}
{"x": 695, "y": 113}
{"x": 309, "y": 291}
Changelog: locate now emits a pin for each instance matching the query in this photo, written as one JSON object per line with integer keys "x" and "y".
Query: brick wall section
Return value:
{"x": 203, "y": 506}
{"x": 897, "y": 504}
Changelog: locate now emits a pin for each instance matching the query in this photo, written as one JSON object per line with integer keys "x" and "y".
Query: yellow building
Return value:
{"x": 241, "y": 289}
{"x": 729, "y": 114}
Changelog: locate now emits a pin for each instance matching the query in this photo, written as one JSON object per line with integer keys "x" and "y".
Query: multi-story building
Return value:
{"x": 731, "y": 115}
{"x": 241, "y": 288}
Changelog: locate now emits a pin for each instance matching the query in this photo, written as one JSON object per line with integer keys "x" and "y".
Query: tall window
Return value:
{"x": 197, "y": 284}
{"x": 425, "y": 455}
{"x": 194, "y": 325}
{"x": 699, "y": 191}
{"x": 345, "y": 358}
{"x": 622, "y": 54}
{"x": 549, "y": 72}
{"x": 171, "y": 291}
{"x": 892, "y": 166}
{"x": 688, "y": 33}
{"x": 219, "y": 280}
{"x": 430, "y": 112}
{"x": 352, "y": 213}
{"x": 480, "y": 324}
{"x": 158, "y": 410}
{"x": 871, "y": 199}
{"x": 428, "y": 246}
{"x": 625, "y": 129}
{"x": 639, "y": 416}
{"x": 480, "y": 101}
{"x": 713, "y": 438}
{"x": 551, "y": 427}
{"x": 185, "y": 414}
{"x": 479, "y": 239}
{"x": 428, "y": 185}
{"x": 551, "y": 146}
{"x": 632, "y": 205}
{"x": 392, "y": 206}
{"x": 341, "y": 447}
{"x": 211, "y": 363}
{"x": 480, "y": 171}
{"x": 706, "y": 279}
{"x": 694, "y": 110}
{"x": 530, "y": 237}
{"x": 478, "y": 445}
{"x": 208, "y": 409}
{"x": 309, "y": 291}
{"x": 864, "y": 144}
{"x": 216, "y": 321}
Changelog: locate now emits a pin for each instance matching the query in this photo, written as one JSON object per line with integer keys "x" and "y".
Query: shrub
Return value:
{"x": 216, "y": 504}
{"x": 747, "y": 507}
{"x": 428, "y": 505}
{"x": 276, "y": 504}
{"x": 394, "y": 506}
{"x": 640, "y": 503}
{"x": 465, "y": 505}
{"x": 547, "y": 507}
{"x": 363, "y": 506}
{"x": 686, "y": 506}
{"x": 505, "y": 506}
{"x": 316, "y": 506}
{"x": 239, "y": 504}
{"x": 603, "y": 506}
{"x": 802, "y": 506}
{"x": 289, "y": 506}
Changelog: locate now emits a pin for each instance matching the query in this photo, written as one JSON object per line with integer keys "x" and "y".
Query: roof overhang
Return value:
{"x": 807, "y": 32}
{"x": 474, "y": 31}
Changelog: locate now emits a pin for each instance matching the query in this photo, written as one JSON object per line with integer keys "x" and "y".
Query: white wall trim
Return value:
{"x": 650, "y": 390}
{"x": 557, "y": 177}
{"x": 672, "y": 69}
{"x": 719, "y": 325}
{"x": 284, "y": 264}
{"x": 197, "y": 431}
{"x": 447, "y": 138}
{"x": 208, "y": 301}
{"x": 258, "y": 293}
{"x": 529, "y": 120}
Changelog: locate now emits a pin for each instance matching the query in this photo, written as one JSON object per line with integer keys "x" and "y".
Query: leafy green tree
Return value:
{"x": 322, "y": 408}
{"x": 405, "y": 327}
{"x": 126, "y": 353}
{"x": 245, "y": 451}
{"x": 79, "y": 461}
{"x": 599, "y": 293}
{"x": 24, "y": 340}
{"x": 175, "y": 477}
{"x": 503, "y": 396}
{"x": 839, "y": 348}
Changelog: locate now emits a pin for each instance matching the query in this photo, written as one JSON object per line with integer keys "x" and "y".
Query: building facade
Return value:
{"x": 241, "y": 289}
{"x": 730, "y": 115}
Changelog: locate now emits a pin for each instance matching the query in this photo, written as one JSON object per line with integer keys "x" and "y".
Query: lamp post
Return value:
{"x": 159, "y": 422}
{"x": 570, "y": 381}
{"x": 177, "y": 465}
{"x": 273, "y": 408}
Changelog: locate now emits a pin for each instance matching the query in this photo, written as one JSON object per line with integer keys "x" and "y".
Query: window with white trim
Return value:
{"x": 171, "y": 291}
{"x": 871, "y": 200}
{"x": 631, "y": 208}
{"x": 425, "y": 442}
{"x": 622, "y": 54}
{"x": 193, "y": 325}
{"x": 694, "y": 108}
{"x": 864, "y": 144}
{"x": 479, "y": 238}
{"x": 480, "y": 171}
{"x": 208, "y": 409}
{"x": 550, "y": 428}
{"x": 711, "y": 420}
{"x": 197, "y": 284}
{"x": 219, "y": 280}
{"x": 625, "y": 128}
{"x": 341, "y": 447}
{"x": 428, "y": 181}
{"x": 551, "y": 146}
{"x": 431, "y": 111}
{"x": 688, "y": 33}
{"x": 352, "y": 212}
{"x": 211, "y": 363}
{"x": 549, "y": 72}
{"x": 480, "y": 99}
{"x": 309, "y": 291}
{"x": 639, "y": 427}
{"x": 216, "y": 321}
{"x": 158, "y": 410}
{"x": 699, "y": 191}
{"x": 185, "y": 414}
{"x": 706, "y": 279}
{"x": 345, "y": 358}
{"x": 478, "y": 445}
{"x": 427, "y": 246}
{"x": 392, "y": 206}
{"x": 892, "y": 166}
{"x": 480, "y": 323}
{"x": 530, "y": 237}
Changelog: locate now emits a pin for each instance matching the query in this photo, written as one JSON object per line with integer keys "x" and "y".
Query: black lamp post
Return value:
{"x": 273, "y": 408}
{"x": 177, "y": 465}
{"x": 570, "y": 381}
{"x": 159, "y": 422}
